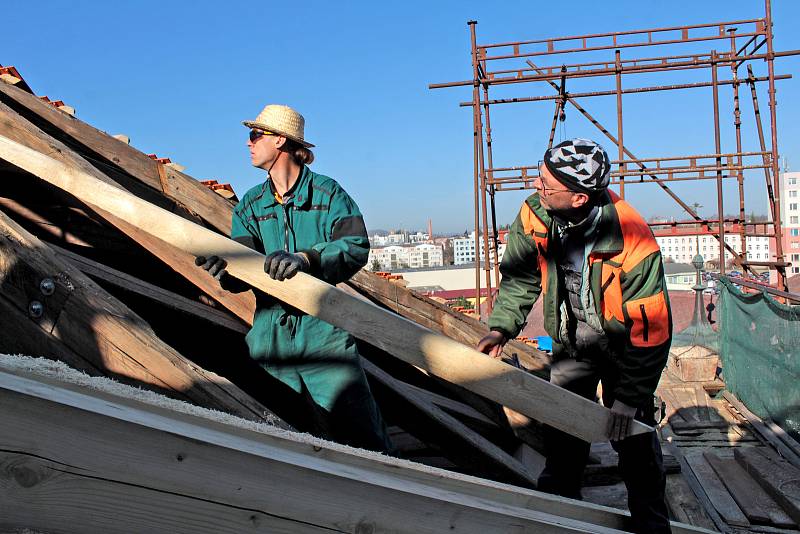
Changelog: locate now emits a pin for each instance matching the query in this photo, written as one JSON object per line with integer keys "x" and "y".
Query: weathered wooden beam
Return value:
{"x": 400, "y": 337}
{"x": 267, "y": 473}
{"x": 67, "y": 306}
{"x": 502, "y": 383}
{"x": 164, "y": 297}
{"x": 242, "y": 305}
{"x": 100, "y": 146}
{"x": 440, "y": 318}
{"x": 268, "y": 477}
{"x": 500, "y": 461}
{"x": 763, "y": 430}
{"x": 756, "y": 504}
{"x": 16, "y": 127}
{"x": 776, "y": 476}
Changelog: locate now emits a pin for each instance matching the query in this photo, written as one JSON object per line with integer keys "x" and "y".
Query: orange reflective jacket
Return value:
{"x": 626, "y": 279}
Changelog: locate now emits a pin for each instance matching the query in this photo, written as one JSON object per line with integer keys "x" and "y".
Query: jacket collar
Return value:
{"x": 609, "y": 231}
{"x": 298, "y": 195}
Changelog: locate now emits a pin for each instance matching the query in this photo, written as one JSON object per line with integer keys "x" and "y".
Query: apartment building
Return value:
{"x": 464, "y": 248}
{"x": 681, "y": 244}
{"x": 789, "y": 183}
{"x": 405, "y": 257}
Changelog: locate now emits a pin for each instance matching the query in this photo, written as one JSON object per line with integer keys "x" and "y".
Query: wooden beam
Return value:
{"x": 442, "y": 319}
{"x": 779, "y": 478}
{"x": 400, "y": 337}
{"x": 99, "y": 328}
{"x": 166, "y": 298}
{"x": 763, "y": 430}
{"x": 717, "y": 494}
{"x": 242, "y": 305}
{"x": 270, "y": 472}
{"x": 256, "y": 476}
{"x": 95, "y": 143}
{"x": 453, "y": 429}
{"x": 502, "y": 383}
{"x": 754, "y": 501}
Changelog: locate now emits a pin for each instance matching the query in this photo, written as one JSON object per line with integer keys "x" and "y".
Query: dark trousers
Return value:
{"x": 640, "y": 461}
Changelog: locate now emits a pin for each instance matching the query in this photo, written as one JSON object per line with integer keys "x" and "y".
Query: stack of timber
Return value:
{"x": 740, "y": 474}
{"x": 97, "y": 246}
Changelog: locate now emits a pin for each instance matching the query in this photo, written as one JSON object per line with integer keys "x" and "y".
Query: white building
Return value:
{"x": 790, "y": 217}
{"x": 681, "y": 245}
{"x": 406, "y": 257}
{"x": 401, "y": 238}
{"x": 464, "y": 250}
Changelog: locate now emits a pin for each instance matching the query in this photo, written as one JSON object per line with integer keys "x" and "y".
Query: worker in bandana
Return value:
{"x": 596, "y": 265}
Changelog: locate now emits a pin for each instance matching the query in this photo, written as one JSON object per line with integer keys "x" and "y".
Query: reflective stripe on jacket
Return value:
{"x": 626, "y": 279}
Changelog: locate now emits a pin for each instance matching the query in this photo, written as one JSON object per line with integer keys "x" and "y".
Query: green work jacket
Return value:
{"x": 625, "y": 278}
{"x": 319, "y": 218}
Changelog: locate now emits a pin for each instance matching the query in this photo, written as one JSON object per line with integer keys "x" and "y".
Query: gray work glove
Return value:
{"x": 281, "y": 265}
{"x": 621, "y": 422}
{"x": 214, "y": 265}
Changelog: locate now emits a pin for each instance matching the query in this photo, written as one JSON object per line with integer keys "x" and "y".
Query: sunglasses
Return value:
{"x": 255, "y": 135}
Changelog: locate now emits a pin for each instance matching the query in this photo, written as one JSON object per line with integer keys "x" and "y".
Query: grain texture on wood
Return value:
{"x": 500, "y": 460}
{"x": 266, "y": 473}
{"x": 717, "y": 494}
{"x": 779, "y": 478}
{"x": 754, "y": 501}
{"x": 102, "y": 330}
{"x": 178, "y": 187}
{"x": 272, "y": 471}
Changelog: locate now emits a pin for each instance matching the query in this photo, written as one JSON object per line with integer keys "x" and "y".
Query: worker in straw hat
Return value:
{"x": 597, "y": 267}
{"x": 304, "y": 221}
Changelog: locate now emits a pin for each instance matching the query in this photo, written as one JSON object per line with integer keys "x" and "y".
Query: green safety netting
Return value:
{"x": 760, "y": 350}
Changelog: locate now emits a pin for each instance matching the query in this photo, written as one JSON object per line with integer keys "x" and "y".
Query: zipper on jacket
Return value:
{"x": 645, "y": 323}
{"x": 285, "y": 227}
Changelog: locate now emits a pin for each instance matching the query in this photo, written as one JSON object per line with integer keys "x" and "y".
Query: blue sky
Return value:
{"x": 179, "y": 77}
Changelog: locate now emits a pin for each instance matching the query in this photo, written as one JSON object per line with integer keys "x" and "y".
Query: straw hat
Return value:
{"x": 281, "y": 120}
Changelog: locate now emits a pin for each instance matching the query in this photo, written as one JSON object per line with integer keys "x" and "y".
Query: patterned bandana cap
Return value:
{"x": 580, "y": 164}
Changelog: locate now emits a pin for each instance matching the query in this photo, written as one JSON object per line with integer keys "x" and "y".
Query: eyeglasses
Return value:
{"x": 549, "y": 190}
{"x": 255, "y": 135}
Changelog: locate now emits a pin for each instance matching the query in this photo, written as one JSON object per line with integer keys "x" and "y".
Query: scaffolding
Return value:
{"x": 734, "y": 45}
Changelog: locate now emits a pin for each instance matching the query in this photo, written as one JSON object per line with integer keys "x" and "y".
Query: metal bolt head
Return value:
{"x": 48, "y": 287}
{"x": 35, "y": 309}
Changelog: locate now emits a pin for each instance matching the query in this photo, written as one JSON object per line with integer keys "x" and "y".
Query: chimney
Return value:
{"x": 430, "y": 231}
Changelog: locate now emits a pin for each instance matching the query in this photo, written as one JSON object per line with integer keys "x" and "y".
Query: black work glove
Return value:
{"x": 216, "y": 268}
{"x": 281, "y": 265}
{"x": 214, "y": 265}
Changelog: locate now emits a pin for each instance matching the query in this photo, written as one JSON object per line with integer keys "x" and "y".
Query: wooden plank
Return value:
{"x": 15, "y": 127}
{"x": 717, "y": 494}
{"x": 44, "y": 496}
{"x": 754, "y": 501}
{"x": 242, "y": 305}
{"x": 177, "y": 186}
{"x": 500, "y": 460}
{"x": 442, "y": 319}
{"x": 108, "y": 335}
{"x": 270, "y": 473}
{"x": 763, "y": 430}
{"x": 685, "y": 494}
{"x": 404, "y": 339}
{"x": 790, "y": 442}
{"x": 166, "y": 298}
{"x": 779, "y": 478}
{"x": 271, "y": 469}
{"x": 684, "y": 506}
